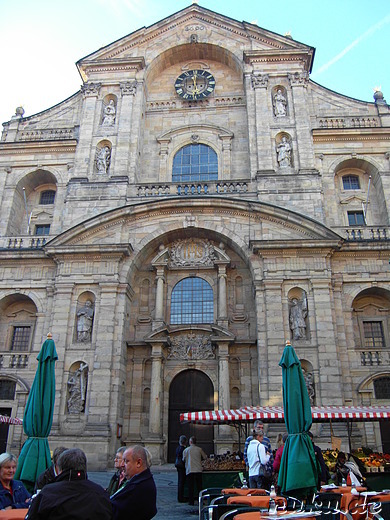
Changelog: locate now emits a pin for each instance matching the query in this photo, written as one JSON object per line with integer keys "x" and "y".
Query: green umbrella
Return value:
{"x": 298, "y": 472}
{"x": 38, "y": 417}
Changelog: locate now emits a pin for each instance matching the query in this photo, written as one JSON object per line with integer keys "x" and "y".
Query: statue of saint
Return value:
{"x": 84, "y": 322}
{"x": 309, "y": 380}
{"x": 280, "y": 104}
{"x": 298, "y": 313}
{"x": 109, "y": 114}
{"x": 283, "y": 151}
{"x": 77, "y": 387}
{"x": 103, "y": 159}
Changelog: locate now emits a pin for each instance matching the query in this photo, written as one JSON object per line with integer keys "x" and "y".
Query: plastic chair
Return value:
{"x": 207, "y": 495}
{"x": 229, "y": 515}
{"x": 216, "y": 512}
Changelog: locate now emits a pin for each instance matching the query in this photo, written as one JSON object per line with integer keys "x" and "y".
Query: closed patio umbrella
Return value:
{"x": 298, "y": 472}
{"x": 38, "y": 417}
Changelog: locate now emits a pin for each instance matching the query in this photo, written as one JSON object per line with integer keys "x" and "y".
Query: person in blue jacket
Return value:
{"x": 13, "y": 494}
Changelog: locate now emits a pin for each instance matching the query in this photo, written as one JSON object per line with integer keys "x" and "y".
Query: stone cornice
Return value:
{"x": 328, "y": 135}
{"x": 115, "y": 251}
{"x": 281, "y": 56}
{"x": 295, "y": 247}
{"x": 44, "y": 147}
{"x": 88, "y": 67}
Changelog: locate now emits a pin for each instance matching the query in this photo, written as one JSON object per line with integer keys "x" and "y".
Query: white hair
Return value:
{"x": 6, "y": 457}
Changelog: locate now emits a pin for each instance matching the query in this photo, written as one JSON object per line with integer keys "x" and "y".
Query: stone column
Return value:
{"x": 156, "y": 391}
{"x": 159, "y": 312}
{"x": 251, "y": 110}
{"x": 305, "y": 151}
{"x": 262, "y": 114}
{"x": 83, "y": 163}
{"x": 222, "y": 296}
{"x": 223, "y": 380}
{"x": 122, "y": 153}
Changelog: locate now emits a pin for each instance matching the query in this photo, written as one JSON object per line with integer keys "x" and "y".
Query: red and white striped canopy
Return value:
{"x": 275, "y": 414}
{"x": 10, "y": 420}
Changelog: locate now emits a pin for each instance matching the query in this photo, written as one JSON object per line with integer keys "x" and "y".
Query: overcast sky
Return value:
{"x": 40, "y": 41}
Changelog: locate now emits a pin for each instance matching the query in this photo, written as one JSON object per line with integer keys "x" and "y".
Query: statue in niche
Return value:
{"x": 84, "y": 322}
{"x": 298, "y": 314}
{"x": 283, "y": 151}
{"x": 77, "y": 387}
{"x": 309, "y": 381}
{"x": 109, "y": 114}
{"x": 103, "y": 157}
{"x": 280, "y": 104}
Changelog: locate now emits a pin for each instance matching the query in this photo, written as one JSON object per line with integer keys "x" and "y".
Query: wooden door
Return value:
{"x": 190, "y": 391}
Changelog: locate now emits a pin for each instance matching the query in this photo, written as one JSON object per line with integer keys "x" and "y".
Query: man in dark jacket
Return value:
{"x": 49, "y": 474}
{"x": 71, "y": 495}
{"x": 137, "y": 497}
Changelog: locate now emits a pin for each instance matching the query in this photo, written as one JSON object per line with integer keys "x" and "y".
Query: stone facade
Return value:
{"x": 294, "y": 227}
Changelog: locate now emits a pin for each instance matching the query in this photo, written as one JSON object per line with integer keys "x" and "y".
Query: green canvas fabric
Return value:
{"x": 298, "y": 469}
{"x": 38, "y": 417}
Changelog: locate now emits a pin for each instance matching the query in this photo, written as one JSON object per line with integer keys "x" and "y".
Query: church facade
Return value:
{"x": 196, "y": 204}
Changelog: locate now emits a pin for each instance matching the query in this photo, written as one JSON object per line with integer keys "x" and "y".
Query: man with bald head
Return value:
{"x": 137, "y": 497}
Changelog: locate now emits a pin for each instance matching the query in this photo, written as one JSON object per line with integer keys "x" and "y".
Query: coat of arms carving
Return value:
{"x": 192, "y": 252}
{"x": 191, "y": 346}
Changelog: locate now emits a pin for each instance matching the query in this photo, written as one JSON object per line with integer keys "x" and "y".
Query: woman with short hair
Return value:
{"x": 13, "y": 494}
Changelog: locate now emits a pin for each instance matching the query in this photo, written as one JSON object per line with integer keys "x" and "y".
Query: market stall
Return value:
{"x": 241, "y": 418}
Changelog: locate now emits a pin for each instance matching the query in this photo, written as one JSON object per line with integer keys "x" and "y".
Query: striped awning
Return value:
{"x": 10, "y": 420}
{"x": 275, "y": 414}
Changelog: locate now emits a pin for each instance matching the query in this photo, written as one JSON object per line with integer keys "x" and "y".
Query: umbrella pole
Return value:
{"x": 349, "y": 430}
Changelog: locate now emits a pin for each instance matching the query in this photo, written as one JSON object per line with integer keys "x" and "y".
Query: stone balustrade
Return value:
{"x": 348, "y": 122}
{"x": 13, "y": 360}
{"x": 23, "y": 242}
{"x": 49, "y": 134}
{"x": 359, "y": 233}
{"x": 192, "y": 188}
{"x": 374, "y": 358}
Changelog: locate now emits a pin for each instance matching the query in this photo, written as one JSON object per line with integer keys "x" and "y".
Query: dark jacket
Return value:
{"x": 46, "y": 477}
{"x": 137, "y": 499}
{"x": 18, "y": 498}
{"x": 113, "y": 485}
{"x": 73, "y": 496}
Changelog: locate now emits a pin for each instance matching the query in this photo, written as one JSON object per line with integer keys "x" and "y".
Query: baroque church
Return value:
{"x": 196, "y": 204}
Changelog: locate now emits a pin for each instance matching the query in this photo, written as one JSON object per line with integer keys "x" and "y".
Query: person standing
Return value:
{"x": 137, "y": 497}
{"x": 324, "y": 473}
{"x": 257, "y": 456}
{"x": 259, "y": 427}
{"x": 119, "y": 475}
{"x": 193, "y": 456}
{"x": 181, "y": 468}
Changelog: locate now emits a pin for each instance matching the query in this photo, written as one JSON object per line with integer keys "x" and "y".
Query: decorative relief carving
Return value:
{"x": 129, "y": 88}
{"x": 191, "y": 346}
{"x": 91, "y": 89}
{"x": 192, "y": 252}
{"x": 298, "y": 79}
{"x": 259, "y": 80}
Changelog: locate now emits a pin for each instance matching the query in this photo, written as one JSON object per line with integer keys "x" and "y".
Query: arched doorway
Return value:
{"x": 191, "y": 390}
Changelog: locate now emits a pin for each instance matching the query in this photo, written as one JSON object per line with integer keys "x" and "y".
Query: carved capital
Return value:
{"x": 299, "y": 79}
{"x": 129, "y": 88}
{"x": 91, "y": 89}
{"x": 259, "y": 80}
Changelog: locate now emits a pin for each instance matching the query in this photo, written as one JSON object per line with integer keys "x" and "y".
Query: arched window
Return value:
{"x": 351, "y": 182}
{"x": 195, "y": 162}
{"x": 192, "y": 302}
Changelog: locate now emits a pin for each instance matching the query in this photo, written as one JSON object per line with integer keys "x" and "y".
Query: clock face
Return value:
{"x": 195, "y": 84}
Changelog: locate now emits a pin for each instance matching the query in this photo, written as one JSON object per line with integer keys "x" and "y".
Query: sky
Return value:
{"x": 41, "y": 40}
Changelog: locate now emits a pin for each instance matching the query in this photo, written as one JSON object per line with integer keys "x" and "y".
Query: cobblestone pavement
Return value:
{"x": 165, "y": 477}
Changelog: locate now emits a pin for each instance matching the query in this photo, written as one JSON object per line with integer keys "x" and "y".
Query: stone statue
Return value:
{"x": 103, "y": 157}
{"x": 298, "y": 313}
{"x": 280, "y": 104}
{"x": 77, "y": 387}
{"x": 109, "y": 114}
{"x": 84, "y": 322}
{"x": 283, "y": 151}
{"x": 309, "y": 380}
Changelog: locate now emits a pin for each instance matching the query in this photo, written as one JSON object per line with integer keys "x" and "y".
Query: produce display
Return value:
{"x": 226, "y": 462}
{"x": 366, "y": 459}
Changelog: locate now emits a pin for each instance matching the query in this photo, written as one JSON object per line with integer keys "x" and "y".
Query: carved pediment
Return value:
{"x": 195, "y": 26}
{"x": 191, "y": 345}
